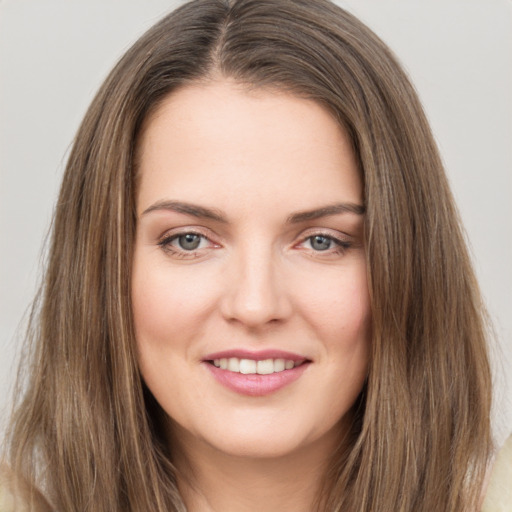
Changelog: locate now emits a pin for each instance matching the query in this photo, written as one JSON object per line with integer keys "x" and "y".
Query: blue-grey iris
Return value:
{"x": 190, "y": 241}
{"x": 320, "y": 243}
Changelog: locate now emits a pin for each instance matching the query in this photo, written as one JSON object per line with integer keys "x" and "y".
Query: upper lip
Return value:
{"x": 258, "y": 355}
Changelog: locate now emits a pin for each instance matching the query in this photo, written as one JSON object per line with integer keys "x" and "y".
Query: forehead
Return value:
{"x": 224, "y": 140}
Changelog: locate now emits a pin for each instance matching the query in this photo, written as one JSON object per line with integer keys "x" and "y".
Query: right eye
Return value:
{"x": 188, "y": 242}
{"x": 185, "y": 244}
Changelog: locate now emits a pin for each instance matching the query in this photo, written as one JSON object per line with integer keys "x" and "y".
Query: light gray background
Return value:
{"x": 55, "y": 53}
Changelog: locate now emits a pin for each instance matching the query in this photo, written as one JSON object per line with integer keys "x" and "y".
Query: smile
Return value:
{"x": 256, "y": 373}
{"x": 252, "y": 366}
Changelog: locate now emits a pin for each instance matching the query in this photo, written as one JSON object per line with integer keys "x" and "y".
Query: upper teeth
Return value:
{"x": 263, "y": 367}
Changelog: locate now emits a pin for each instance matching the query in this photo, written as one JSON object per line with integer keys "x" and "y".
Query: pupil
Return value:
{"x": 189, "y": 242}
{"x": 320, "y": 243}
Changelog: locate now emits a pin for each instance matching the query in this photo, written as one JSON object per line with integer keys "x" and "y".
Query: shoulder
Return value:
{"x": 6, "y": 495}
{"x": 18, "y": 496}
{"x": 499, "y": 492}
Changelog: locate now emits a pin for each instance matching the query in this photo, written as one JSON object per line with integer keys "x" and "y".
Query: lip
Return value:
{"x": 256, "y": 384}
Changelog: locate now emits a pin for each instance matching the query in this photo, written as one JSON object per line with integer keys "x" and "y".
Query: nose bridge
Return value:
{"x": 255, "y": 295}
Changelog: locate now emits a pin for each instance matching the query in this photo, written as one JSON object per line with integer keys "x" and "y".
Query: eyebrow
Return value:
{"x": 216, "y": 215}
{"x": 326, "y": 211}
{"x": 188, "y": 209}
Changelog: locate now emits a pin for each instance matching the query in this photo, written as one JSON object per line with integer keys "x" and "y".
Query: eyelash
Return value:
{"x": 340, "y": 246}
{"x": 166, "y": 241}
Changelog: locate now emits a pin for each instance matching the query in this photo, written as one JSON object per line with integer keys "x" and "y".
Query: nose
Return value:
{"x": 256, "y": 294}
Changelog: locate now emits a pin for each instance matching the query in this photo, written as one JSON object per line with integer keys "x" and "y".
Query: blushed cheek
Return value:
{"x": 153, "y": 304}
{"x": 167, "y": 307}
{"x": 342, "y": 306}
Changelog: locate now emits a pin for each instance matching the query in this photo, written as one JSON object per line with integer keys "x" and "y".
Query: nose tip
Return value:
{"x": 256, "y": 295}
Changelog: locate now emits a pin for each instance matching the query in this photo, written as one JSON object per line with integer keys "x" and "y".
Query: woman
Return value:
{"x": 258, "y": 296}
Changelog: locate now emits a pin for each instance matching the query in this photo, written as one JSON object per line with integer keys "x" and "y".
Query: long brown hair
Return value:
{"x": 88, "y": 433}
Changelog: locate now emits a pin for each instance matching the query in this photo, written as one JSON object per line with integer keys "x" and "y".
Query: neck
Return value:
{"x": 212, "y": 481}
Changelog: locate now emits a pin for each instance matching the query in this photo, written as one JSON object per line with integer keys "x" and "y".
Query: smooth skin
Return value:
{"x": 250, "y": 273}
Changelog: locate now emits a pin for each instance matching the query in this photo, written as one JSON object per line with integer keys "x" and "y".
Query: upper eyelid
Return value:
{"x": 327, "y": 232}
{"x": 179, "y": 231}
{"x": 174, "y": 236}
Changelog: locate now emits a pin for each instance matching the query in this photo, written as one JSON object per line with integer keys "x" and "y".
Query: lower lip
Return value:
{"x": 254, "y": 384}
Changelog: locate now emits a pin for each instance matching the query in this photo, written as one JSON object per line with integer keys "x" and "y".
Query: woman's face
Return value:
{"x": 249, "y": 289}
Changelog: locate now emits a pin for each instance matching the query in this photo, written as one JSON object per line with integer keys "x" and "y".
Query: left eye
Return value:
{"x": 321, "y": 242}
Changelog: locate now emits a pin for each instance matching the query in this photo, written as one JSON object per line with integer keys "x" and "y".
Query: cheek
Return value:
{"x": 166, "y": 302}
{"x": 346, "y": 330}
{"x": 153, "y": 305}
{"x": 168, "y": 309}
{"x": 339, "y": 305}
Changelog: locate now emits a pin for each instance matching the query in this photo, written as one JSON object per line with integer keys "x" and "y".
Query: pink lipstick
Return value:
{"x": 255, "y": 373}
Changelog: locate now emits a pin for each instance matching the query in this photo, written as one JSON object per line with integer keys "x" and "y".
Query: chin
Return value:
{"x": 260, "y": 438}
{"x": 258, "y": 446}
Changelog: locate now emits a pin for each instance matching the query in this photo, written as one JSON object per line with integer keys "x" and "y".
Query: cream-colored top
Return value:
{"x": 499, "y": 492}
{"x": 498, "y": 497}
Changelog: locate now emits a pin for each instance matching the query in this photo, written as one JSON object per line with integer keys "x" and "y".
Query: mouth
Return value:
{"x": 256, "y": 373}
{"x": 252, "y": 366}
